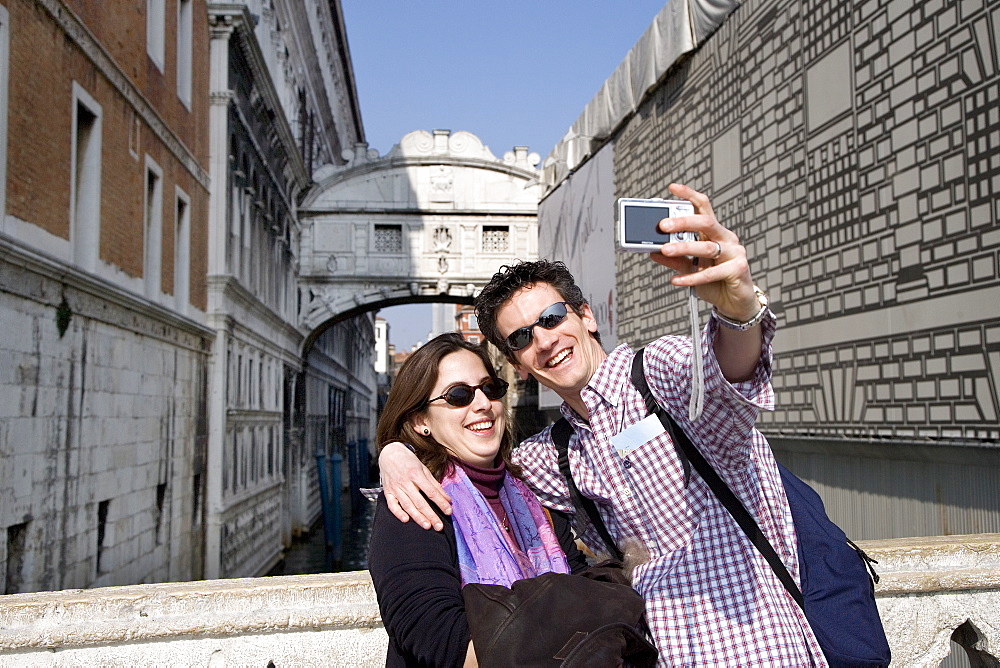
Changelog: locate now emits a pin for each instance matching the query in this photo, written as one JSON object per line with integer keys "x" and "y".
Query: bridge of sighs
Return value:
{"x": 431, "y": 221}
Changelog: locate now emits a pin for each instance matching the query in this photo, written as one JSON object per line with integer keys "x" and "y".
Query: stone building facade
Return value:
{"x": 430, "y": 221}
{"x": 852, "y": 146}
{"x": 154, "y": 395}
{"x": 283, "y": 103}
{"x": 104, "y": 351}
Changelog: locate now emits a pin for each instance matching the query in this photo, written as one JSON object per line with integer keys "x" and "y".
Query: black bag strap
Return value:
{"x": 722, "y": 491}
{"x": 562, "y": 430}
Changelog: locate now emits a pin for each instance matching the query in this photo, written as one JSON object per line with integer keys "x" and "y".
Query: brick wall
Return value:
{"x": 44, "y": 63}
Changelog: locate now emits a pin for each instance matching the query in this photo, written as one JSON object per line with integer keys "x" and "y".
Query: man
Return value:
{"x": 711, "y": 598}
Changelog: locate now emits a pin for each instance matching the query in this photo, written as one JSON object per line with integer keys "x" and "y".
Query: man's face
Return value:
{"x": 563, "y": 358}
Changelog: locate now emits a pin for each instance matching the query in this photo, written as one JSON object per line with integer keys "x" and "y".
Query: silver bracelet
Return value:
{"x": 744, "y": 326}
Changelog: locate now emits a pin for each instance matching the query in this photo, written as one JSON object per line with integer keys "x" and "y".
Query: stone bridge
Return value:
{"x": 431, "y": 221}
{"x": 937, "y": 596}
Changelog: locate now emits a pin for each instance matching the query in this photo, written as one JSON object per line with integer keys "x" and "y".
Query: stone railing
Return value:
{"x": 937, "y": 589}
{"x": 932, "y": 590}
{"x": 300, "y": 620}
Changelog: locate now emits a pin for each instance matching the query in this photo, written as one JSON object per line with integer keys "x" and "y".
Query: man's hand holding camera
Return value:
{"x": 716, "y": 266}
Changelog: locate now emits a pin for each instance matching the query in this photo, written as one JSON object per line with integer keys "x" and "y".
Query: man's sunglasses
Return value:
{"x": 462, "y": 395}
{"x": 549, "y": 319}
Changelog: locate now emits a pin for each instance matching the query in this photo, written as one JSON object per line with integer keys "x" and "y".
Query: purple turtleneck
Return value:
{"x": 488, "y": 481}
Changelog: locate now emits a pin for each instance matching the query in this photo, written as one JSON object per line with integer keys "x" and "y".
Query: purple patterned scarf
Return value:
{"x": 486, "y": 553}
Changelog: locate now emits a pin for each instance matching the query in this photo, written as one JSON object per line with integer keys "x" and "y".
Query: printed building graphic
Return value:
{"x": 853, "y": 148}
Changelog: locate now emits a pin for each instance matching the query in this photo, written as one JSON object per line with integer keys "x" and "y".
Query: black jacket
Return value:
{"x": 419, "y": 588}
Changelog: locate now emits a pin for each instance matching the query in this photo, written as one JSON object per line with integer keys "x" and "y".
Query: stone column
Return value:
{"x": 221, "y": 26}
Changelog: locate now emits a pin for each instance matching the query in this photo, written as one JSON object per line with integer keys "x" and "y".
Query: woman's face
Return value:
{"x": 472, "y": 433}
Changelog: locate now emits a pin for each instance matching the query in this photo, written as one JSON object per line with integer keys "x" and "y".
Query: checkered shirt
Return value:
{"x": 711, "y": 598}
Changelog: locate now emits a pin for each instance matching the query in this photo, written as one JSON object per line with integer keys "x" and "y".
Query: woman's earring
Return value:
{"x": 427, "y": 432}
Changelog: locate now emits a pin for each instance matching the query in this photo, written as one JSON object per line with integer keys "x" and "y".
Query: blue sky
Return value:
{"x": 514, "y": 73}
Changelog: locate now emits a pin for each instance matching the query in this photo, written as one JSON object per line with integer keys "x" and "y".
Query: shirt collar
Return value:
{"x": 605, "y": 385}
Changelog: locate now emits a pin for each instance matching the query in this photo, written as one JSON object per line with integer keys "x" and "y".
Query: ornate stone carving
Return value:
{"x": 442, "y": 240}
{"x": 419, "y": 142}
{"x": 442, "y": 184}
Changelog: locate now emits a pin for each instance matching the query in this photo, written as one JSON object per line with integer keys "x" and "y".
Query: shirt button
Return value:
{"x": 628, "y": 464}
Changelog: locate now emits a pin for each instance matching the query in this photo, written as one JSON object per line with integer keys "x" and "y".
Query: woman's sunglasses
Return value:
{"x": 462, "y": 395}
{"x": 549, "y": 319}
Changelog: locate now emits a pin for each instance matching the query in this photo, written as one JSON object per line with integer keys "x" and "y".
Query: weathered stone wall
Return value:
{"x": 102, "y": 429}
{"x": 940, "y": 595}
{"x": 251, "y": 533}
{"x": 298, "y": 620}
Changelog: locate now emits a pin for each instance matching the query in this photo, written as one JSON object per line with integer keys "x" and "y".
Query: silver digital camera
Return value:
{"x": 636, "y": 223}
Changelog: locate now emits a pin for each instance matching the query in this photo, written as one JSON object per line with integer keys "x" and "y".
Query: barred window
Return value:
{"x": 496, "y": 239}
{"x": 388, "y": 238}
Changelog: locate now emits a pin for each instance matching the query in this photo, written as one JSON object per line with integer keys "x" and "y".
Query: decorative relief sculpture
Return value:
{"x": 442, "y": 184}
{"x": 419, "y": 141}
{"x": 463, "y": 142}
{"x": 386, "y": 266}
{"x": 318, "y": 307}
{"x": 442, "y": 240}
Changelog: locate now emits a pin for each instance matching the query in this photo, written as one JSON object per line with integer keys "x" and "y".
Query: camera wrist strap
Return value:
{"x": 697, "y": 371}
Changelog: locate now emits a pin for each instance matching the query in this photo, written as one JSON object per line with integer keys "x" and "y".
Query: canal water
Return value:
{"x": 308, "y": 554}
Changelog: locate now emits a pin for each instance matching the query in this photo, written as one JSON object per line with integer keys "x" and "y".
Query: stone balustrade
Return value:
{"x": 939, "y": 588}
{"x": 932, "y": 590}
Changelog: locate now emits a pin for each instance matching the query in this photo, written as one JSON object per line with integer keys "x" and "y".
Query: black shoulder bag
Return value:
{"x": 561, "y": 433}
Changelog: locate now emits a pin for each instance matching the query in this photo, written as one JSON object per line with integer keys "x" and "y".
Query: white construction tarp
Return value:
{"x": 678, "y": 29}
{"x": 575, "y": 225}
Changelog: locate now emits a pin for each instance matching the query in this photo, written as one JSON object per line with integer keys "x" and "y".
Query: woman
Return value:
{"x": 446, "y": 404}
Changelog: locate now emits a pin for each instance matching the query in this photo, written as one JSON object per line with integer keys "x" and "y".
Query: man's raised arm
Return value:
{"x": 716, "y": 266}
{"x": 403, "y": 480}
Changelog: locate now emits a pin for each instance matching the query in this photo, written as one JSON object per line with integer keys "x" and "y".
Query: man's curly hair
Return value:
{"x": 512, "y": 278}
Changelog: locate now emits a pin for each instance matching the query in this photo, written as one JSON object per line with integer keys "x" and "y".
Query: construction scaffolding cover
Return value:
{"x": 678, "y": 29}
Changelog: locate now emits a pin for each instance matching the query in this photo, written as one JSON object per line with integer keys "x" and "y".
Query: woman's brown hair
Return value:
{"x": 409, "y": 394}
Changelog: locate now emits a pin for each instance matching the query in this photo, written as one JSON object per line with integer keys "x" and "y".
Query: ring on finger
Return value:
{"x": 718, "y": 251}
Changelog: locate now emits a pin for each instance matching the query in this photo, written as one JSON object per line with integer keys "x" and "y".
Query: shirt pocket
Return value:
{"x": 668, "y": 508}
